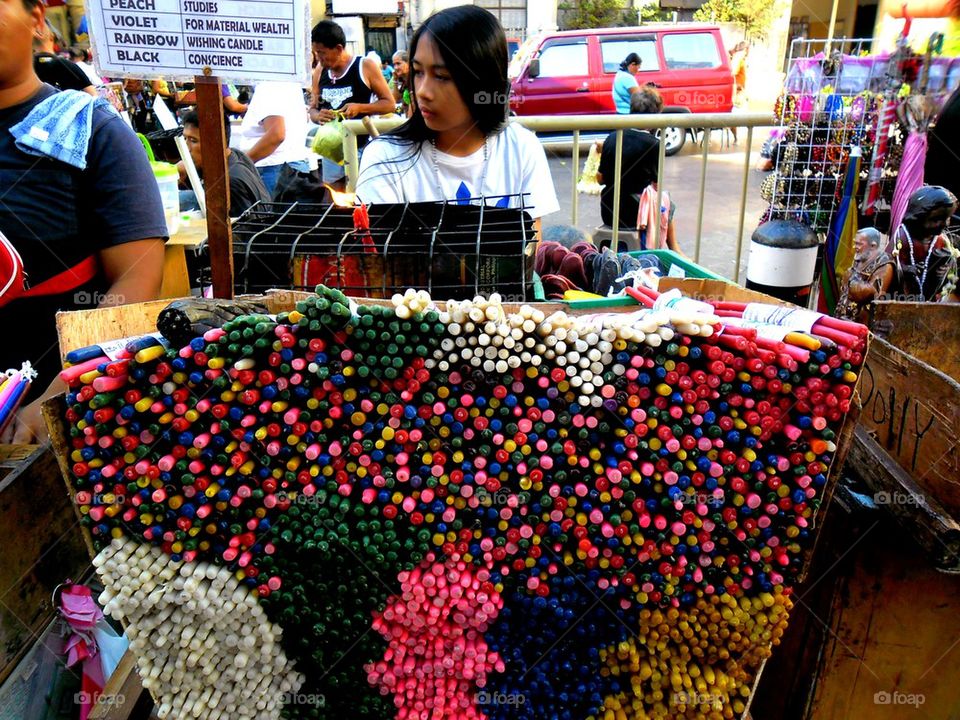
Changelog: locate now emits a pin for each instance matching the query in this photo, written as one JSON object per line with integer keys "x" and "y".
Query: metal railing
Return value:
{"x": 579, "y": 123}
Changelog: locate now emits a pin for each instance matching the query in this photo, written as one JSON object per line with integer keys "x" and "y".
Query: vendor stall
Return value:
{"x": 401, "y": 508}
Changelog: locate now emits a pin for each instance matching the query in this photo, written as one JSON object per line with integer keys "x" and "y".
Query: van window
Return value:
{"x": 568, "y": 59}
{"x": 690, "y": 51}
{"x": 615, "y": 50}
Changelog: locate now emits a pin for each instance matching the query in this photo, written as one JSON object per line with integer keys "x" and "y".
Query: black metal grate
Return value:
{"x": 451, "y": 250}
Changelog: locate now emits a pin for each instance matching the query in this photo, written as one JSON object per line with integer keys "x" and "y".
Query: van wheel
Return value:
{"x": 674, "y": 139}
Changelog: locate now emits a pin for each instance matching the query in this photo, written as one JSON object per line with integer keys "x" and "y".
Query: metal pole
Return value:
{"x": 833, "y": 25}
{"x": 606, "y": 123}
{"x": 661, "y": 157}
{"x": 743, "y": 203}
{"x": 617, "y": 163}
{"x": 351, "y": 158}
{"x": 703, "y": 189}
{"x": 574, "y": 206}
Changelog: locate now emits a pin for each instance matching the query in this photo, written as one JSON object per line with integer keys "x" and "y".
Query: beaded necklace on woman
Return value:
{"x": 436, "y": 168}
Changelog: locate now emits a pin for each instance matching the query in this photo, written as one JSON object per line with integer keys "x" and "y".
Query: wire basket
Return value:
{"x": 451, "y": 250}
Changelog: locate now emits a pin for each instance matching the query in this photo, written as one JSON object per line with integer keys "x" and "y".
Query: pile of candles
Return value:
{"x": 437, "y": 657}
{"x": 13, "y": 389}
{"x": 667, "y": 460}
{"x": 204, "y": 647}
{"x": 695, "y": 662}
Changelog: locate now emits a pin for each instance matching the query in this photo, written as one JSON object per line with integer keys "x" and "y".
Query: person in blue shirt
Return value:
{"x": 625, "y": 83}
{"x": 83, "y": 212}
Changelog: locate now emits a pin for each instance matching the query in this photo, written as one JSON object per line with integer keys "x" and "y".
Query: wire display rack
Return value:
{"x": 451, "y": 250}
{"x": 837, "y": 96}
{"x": 829, "y": 104}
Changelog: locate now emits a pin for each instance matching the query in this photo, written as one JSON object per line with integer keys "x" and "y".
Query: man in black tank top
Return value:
{"x": 344, "y": 83}
{"x": 352, "y": 85}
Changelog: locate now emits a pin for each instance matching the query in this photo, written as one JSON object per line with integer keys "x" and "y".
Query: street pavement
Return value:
{"x": 682, "y": 172}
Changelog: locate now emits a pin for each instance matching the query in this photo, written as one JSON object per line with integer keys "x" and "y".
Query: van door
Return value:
{"x": 563, "y": 86}
{"x": 613, "y": 50}
{"x": 696, "y": 73}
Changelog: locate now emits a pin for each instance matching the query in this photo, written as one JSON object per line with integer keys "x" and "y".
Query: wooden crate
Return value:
{"x": 86, "y": 327}
{"x": 39, "y": 532}
{"x": 879, "y": 615}
{"x": 911, "y": 395}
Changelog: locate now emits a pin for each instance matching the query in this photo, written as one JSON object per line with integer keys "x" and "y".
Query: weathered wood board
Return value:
{"x": 894, "y": 636}
{"x": 913, "y": 411}
{"x": 42, "y": 546}
{"x": 920, "y": 515}
{"x": 928, "y": 331}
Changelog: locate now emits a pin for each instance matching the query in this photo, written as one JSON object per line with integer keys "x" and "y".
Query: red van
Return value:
{"x": 571, "y": 72}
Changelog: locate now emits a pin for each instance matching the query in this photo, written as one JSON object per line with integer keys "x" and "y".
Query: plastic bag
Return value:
{"x": 328, "y": 141}
{"x": 110, "y": 645}
{"x": 589, "y": 184}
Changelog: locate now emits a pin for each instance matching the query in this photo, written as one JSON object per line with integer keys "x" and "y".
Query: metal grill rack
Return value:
{"x": 451, "y": 250}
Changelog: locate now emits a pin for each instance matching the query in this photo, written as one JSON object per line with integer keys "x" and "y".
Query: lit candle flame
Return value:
{"x": 342, "y": 199}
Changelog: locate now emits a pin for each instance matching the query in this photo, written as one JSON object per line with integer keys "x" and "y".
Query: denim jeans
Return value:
{"x": 270, "y": 173}
{"x": 188, "y": 201}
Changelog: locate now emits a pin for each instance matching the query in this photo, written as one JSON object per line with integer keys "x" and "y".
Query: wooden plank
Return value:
{"x": 893, "y": 629}
{"x": 11, "y": 455}
{"x": 928, "y": 331}
{"x": 921, "y": 517}
{"x": 88, "y": 327}
{"x": 216, "y": 180}
{"x": 913, "y": 411}
{"x": 120, "y": 694}
{"x": 176, "y": 277}
{"x": 43, "y": 546}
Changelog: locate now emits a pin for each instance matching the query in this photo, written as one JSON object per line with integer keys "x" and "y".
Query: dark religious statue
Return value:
{"x": 923, "y": 266}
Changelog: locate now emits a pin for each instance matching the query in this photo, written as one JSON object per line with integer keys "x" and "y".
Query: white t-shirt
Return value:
{"x": 91, "y": 73}
{"x": 275, "y": 98}
{"x": 392, "y": 172}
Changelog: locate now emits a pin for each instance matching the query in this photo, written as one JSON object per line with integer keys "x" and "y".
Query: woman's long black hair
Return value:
{"x": 629, "y": 60}
{"x": 473, "y": 46}
{"x": 474, "y": 49}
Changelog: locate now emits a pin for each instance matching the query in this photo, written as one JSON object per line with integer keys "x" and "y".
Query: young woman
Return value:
{"x": 456, "y": 145}
{"x": 625, "y": 83}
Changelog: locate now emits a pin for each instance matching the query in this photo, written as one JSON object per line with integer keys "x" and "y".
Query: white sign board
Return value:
{"x": 178, "y": 39}
{"x": 365, "y": 7}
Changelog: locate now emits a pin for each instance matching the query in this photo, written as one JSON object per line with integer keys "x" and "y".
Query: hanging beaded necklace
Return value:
{"x": 913, "y": 261}
{"x": 436, "y": 168}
